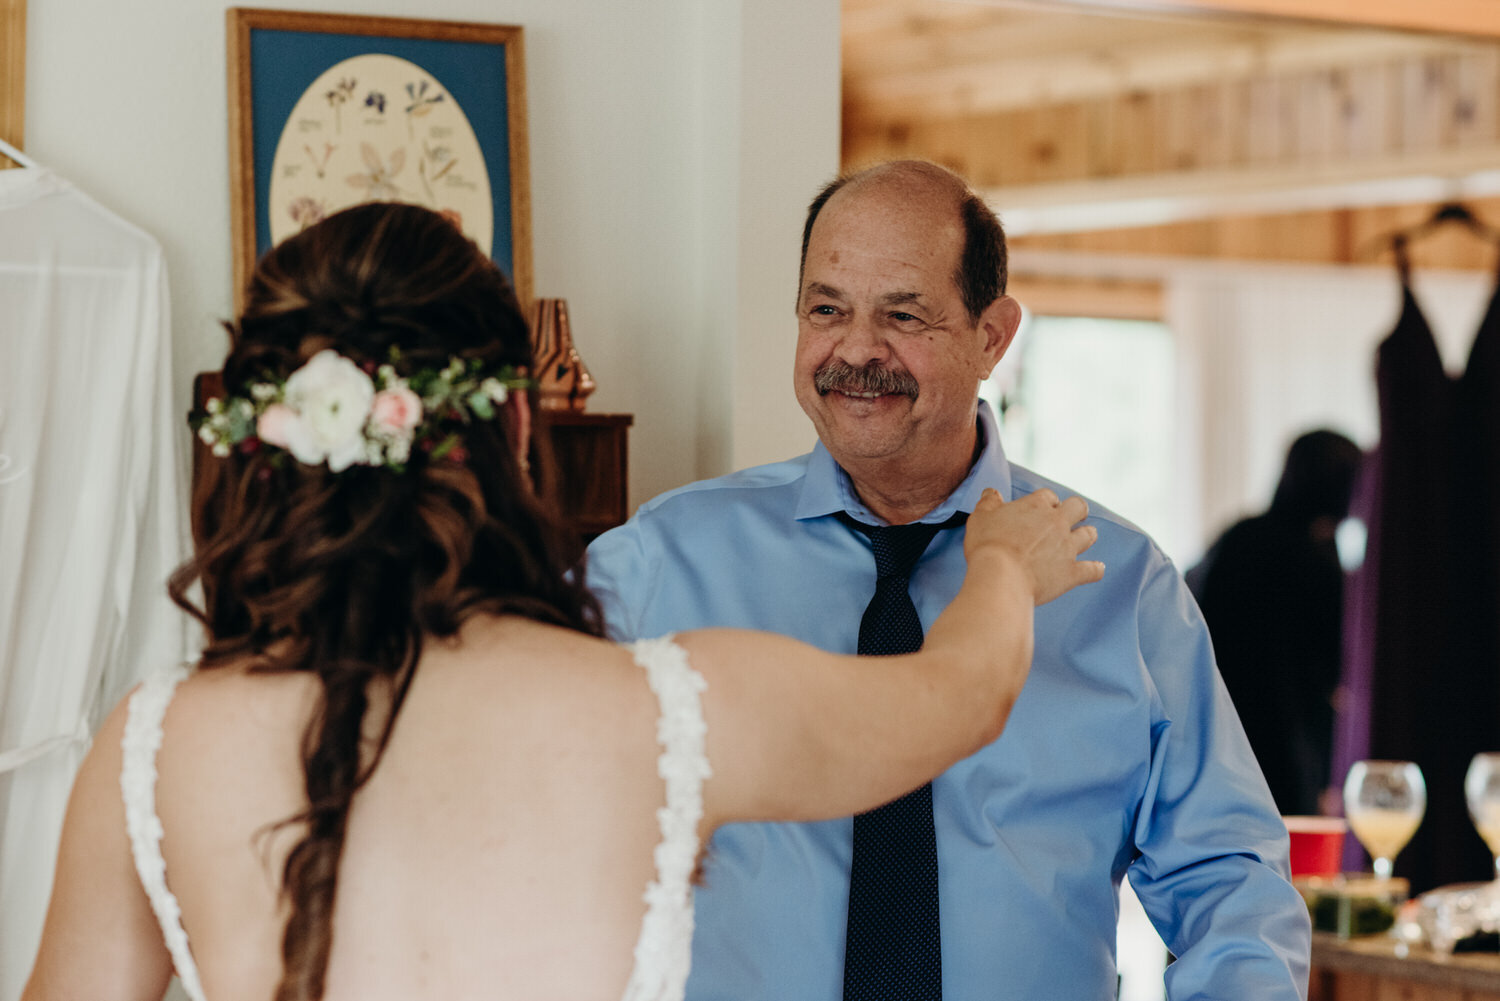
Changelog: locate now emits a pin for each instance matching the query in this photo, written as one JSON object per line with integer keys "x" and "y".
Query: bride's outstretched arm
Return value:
{"x": 101, "y": 940}
{"x": 796, "y": 733}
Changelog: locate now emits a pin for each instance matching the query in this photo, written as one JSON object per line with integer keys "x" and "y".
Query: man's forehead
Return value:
{"x": 867, "y": 220}
{"x": 937, "y": 203}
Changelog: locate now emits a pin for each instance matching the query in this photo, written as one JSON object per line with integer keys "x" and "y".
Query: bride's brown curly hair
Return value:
{"x": 344, "y": 575}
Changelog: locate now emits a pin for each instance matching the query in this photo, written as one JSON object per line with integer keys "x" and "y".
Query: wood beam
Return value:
{"x": 1054, "y": 295}
{"x": 1353, "y": 236}
{"x": 1158, "y": 199}
{"x": 1454, "y": 17}
{"x": 966, "y": 78}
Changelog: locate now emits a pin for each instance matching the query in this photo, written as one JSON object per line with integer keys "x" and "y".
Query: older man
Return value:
{"x": 1123, "y": 756}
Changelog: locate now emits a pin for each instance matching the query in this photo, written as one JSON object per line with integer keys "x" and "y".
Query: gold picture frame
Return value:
{"x": 284, "y": 66}
{"x": 12, "y": 73}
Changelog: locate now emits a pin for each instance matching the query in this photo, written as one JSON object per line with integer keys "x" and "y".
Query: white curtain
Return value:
{"x": 90, "y": 511}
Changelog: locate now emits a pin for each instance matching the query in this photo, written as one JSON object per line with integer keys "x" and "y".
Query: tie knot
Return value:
{"x": 898, "y": 547}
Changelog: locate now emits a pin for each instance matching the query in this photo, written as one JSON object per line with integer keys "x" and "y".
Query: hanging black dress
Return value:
{"x": 1429, "y": 649}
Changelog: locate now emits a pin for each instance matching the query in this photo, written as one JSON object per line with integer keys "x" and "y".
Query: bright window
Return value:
{"x": 1090, "y": 403}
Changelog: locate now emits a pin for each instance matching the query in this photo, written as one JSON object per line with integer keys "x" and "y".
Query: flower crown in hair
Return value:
{"x": 331, "y": 411}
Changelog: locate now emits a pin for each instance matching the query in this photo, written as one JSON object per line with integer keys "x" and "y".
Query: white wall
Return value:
{"x": 674, "y": 144}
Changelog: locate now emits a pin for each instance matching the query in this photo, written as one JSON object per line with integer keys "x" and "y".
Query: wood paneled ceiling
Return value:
{"x": 1067, "y": 116}
{"x": 939, "y": 58}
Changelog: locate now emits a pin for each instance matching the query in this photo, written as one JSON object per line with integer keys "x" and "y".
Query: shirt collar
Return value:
{"x": 827, "y": 489}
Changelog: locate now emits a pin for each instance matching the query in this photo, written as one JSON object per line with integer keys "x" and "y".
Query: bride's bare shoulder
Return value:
{"x": 238, "y": 702}
{"x": 238, "y": 698}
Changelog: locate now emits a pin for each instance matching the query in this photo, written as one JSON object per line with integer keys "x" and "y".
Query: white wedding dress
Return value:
{"x": 663, "y": 948}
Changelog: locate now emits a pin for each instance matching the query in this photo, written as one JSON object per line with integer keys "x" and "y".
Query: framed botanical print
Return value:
{"x": 329, "y": 110}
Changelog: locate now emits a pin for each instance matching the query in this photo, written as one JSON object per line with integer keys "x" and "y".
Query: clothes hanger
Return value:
{"x": 15, "y": 155}
{"x": 1454, "y": 212}
{"x": 1446, "y": 213}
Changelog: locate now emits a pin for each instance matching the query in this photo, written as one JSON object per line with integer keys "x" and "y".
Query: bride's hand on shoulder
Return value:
{"x": 1043, "y": 534}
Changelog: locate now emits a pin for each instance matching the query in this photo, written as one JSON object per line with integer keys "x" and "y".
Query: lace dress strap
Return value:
{"x": 664, "y": 950}
{"x": 148, "y": 706}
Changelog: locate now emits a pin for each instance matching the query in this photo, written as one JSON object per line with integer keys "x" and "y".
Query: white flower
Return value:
{"x": 332, "y": 399}
{"x": 494, "y": 389}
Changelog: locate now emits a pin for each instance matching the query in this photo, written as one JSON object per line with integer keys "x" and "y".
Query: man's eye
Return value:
{"x": 903, "y": 317}
{"x": 824, "y": 311}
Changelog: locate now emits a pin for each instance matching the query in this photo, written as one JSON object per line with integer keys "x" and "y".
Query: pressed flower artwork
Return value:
{"x": 338, "y": 149}
{"x": 328, "y": 111}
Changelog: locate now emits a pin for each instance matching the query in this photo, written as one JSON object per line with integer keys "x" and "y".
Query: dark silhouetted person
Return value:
{"x": 1272, "y": 590}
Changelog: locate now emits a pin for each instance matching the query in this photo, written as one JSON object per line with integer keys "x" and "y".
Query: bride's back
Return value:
{"x": 374, "y": 564}
{"x": 473, "y": 863}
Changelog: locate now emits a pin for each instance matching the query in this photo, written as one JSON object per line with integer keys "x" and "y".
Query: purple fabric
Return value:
{"x": 1351, "y": 732}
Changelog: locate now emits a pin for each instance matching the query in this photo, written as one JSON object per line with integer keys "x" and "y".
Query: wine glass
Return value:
{"x": 1384, "y": 802}
{"x": 1482, "y": 792}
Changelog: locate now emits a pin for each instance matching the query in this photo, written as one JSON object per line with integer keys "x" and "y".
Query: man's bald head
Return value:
{"x": 981, "y": 274}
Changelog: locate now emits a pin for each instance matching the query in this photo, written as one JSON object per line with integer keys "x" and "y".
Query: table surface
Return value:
{"x": 1384, "y": 957}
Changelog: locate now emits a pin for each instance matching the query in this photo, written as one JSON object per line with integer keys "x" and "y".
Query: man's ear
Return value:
{"x": 998, "y": 323}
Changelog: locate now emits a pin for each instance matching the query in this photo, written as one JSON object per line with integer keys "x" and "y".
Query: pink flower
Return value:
{"x": 395, "y": 412}
{"x": 275, "y": 423}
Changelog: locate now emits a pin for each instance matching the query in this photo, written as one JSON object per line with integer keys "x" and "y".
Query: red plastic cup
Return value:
{"x": 1317, "y": 844}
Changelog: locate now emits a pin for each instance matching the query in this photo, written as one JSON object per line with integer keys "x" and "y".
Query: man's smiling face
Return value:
{"x": 888, "y": 359}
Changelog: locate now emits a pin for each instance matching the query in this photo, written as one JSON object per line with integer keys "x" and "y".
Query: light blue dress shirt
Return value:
{"x": 1122, "y": 757}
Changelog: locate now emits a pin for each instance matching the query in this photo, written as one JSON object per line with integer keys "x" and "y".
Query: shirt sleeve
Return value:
{"x": 1212, "y": 865}
{"x": 621, "y": 576}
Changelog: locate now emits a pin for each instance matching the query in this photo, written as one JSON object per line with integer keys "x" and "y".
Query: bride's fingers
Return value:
{"x": 1046, "y": 497}
{"x": 1075, "y": 508}
{"x": 1083, "y": 537}
{"x": 1088, "y": 571}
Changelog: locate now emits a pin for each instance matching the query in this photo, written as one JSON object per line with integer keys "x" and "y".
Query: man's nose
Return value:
{"x": 863, "y": 342}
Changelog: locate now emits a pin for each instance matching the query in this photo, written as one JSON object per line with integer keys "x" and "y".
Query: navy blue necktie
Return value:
{"x": 892, "y": 950}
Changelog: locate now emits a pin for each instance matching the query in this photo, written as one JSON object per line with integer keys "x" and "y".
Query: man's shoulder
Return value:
{"x": 646, "y": 570}
{"x": 753, "y": 484}
{"x": 1026, "y": 481}
{"x": 1130, "y": 553}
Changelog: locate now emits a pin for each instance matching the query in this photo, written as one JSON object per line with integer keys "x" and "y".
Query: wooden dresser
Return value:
{"x": 592, "y": 455}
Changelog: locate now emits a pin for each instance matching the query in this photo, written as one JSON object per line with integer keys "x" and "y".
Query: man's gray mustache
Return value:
{"x": 841, "y": 377}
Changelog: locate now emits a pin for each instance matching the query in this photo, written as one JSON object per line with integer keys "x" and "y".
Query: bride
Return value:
{"x": 408, "y": 764}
